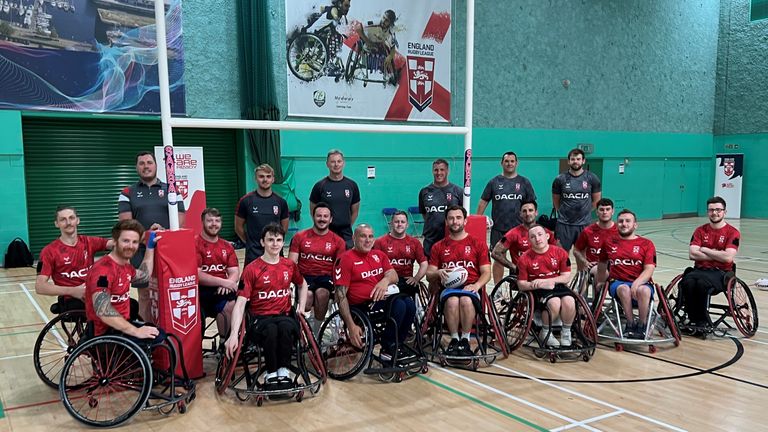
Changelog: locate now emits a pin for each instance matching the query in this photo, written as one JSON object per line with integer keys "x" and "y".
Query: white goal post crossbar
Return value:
{"x": 168, "y": 123}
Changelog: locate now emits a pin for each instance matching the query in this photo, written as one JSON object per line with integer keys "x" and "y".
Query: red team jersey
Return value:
{"x": 626, "y": 258}
{"x": 469, "y": 253}
{"x": 317, "y": 253}
{"x": 268, "y": 286}
{"x": 360, "y": 273}
{"x": 592, "y": 238}
{"x": 721, "y": 239}
{"x": 68, "y": 265}
{"x": 118, "y": 286}
{"x": 215, "y": 258}
{"x": 402, "y": 253}
{"x": 550, "y": 264}
{"x": 518, "y": 242}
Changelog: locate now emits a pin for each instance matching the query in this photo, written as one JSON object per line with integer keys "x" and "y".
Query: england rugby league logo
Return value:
{"x": 421, "y": 79}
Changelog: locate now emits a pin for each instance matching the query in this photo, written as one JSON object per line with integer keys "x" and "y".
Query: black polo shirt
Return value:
{"x": 148, "y": 204}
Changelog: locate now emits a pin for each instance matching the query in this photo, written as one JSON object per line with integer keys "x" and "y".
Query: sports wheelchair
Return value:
{"x": 58, "y": 339}
{"x": 245, "y": 372}
{"x": 739, "y": 310}
{"x": 108, "y": 379}
{"x": 523, "y": 324}
{"x": 487, "y": 332}
{"x": 344, "y": 360}
{"x": 661, "y": 326}
{"x": 584, "y": 284}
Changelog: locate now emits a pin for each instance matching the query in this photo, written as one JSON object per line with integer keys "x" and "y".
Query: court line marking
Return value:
{"x": 19, "y": 333}
{"x": 10, "y": 292}
{"x": 480, "y": 402}
{"x": 21, "y": 325}
{"x": 509, "y": 396}
{"x": 754, "y": 341}
{"x": 16, "y": 356}
{"x": 42, "y": 315}
{"x": 589, "y": 420}
{"x": 590, "y": 398}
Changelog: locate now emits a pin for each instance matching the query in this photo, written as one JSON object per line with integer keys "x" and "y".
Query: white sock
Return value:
{"x": 455, "y": 335}
{"x": 271, "y": 375}
{"x": 465, "y": 336}
{"x": 283, "y": 372}
{"x": 567, "y": 328}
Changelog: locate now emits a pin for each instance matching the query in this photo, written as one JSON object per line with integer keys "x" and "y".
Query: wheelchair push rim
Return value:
{"x": 55, "y": 343}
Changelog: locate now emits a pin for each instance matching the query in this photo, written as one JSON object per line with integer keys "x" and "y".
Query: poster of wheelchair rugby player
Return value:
{"x": 369, "y": 59}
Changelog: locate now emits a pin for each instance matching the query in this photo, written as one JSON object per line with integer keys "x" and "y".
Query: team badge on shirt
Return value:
{"x": 635, "y": 249}
{"x": 376, "y": 258}
{"x": 161, "y": 193}
{"x": 448, "y": 196}
{"x": 584, "y": 184}
{"x": 517, "y": 186}
{"x": 275, "y": 210}
{"x": 346, "y": 193}
{"x": 328, "y": 246}
{"x": 467, "y": 250}
{"x": 285, "y": 276}
{"x": 553, "y": 261}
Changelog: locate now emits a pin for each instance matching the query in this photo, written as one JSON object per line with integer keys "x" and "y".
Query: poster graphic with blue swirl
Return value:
{"x": 87, "y": 55}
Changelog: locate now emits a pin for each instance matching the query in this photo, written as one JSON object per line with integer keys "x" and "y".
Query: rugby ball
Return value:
{"x": 456, "y": 278}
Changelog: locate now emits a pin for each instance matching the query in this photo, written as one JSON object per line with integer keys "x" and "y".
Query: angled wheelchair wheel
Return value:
{"x": 502, "y": 294}
{"x": 342, "y": 359}
{"x": 311, "y": 349}
{"x": 307, "y": 56}
{"x": 665, "y": 313}
{"x": 55, "y": 343}
{"x": 226, "y": 366}
{"x": 518, "y": 320}
{"x": 742, "y": 307}
{"x": 106, "y": 381}
{"x": 586, "y": 319}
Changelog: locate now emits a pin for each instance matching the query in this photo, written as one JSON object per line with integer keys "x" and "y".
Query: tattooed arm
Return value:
{"x": 144, "y": 272}
{"x": 355, "y": 332}
{"x": 102, "y": 305}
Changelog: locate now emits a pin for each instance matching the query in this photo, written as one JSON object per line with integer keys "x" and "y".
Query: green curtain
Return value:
{"x": 259, "y": 101}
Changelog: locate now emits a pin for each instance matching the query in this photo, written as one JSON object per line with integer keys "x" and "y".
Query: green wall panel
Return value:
{"x": 13, "y": 193}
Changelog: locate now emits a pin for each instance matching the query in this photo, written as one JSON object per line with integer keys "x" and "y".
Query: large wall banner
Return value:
{"x": 368, "y": 59}
{"x": 87, "y": 55}
{"x": 729, "y": 175}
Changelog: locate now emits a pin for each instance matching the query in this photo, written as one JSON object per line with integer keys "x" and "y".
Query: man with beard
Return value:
{"x": 434, "y": 199}
{"x": 107, "y": 297}
{"x": 362, "y": 277}
{"x": 315, "y": 250}
{"x": 340, "y": 193}
{"x": 574, "y": 194}
{"x": 627, "y": 262}
{"x": 587, "y": 248}
{"x": 267, "y": 287}
{"x": 64, "y": 263}
{"x": 257, "y": 209}
{"x": 545, "y": 270}
{"x": 516, "y": 240}
{"x": 146, "y": 201}
{"x": 460, "y": 305}
{"x": 506, "y": 192}
{"x": 713, "y": 247}
{"x": 403, "y": 251}
{"x": 218, "y": 271}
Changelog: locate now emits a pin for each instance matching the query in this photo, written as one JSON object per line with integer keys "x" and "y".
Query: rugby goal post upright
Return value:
{"x": 168, "y": 122}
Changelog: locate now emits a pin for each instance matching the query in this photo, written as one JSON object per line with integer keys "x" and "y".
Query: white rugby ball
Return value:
{"x": 456, "y": 278}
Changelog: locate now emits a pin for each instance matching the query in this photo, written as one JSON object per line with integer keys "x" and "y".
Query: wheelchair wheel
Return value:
{"x": 586, "y": 321}
{"x": 307, "y": 56}
{"x": 599, "y": 300}
{"x": 55, "y": 343}
{"x": 518, "y": 320}
{"x": 501, "y": 295}
{"x": 106, "y": 381}
{"x": 665, "y": 312}
{"x": 226, "y": 366}
{"x": 342, "y": 359}
{"x": 742, "y": 307}
{"x": 311, "y": 350}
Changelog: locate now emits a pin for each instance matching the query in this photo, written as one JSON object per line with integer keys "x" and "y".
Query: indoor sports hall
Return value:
{"x": 418, "y": 105}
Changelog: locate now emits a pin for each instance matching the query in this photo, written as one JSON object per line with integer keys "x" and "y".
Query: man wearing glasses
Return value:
{"x": 713, "y": 248}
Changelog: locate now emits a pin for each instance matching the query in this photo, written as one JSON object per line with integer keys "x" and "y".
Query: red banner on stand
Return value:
{"x": 175, "y": 303}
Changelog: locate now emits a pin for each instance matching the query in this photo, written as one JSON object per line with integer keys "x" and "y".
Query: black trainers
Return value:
{"x": 463, "y": 349}
{"x": 453, "y": 348}
{"x": 640, "y": 330}
{"x": 629, "y": 330}
{"x": 284, "y": 383}
{"x": 271, "y": 384}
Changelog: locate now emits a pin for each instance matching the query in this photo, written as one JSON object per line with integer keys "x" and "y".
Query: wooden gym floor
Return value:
{"x": 716, "y": 384}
